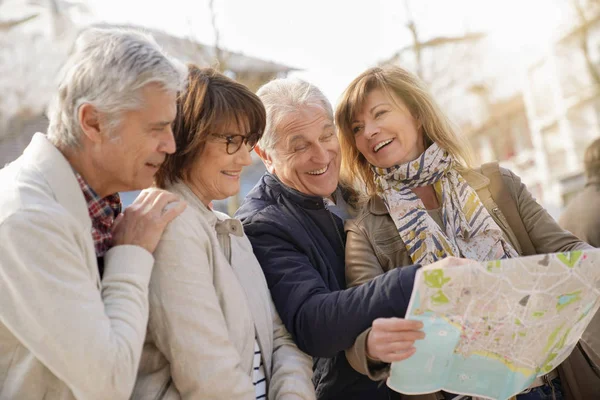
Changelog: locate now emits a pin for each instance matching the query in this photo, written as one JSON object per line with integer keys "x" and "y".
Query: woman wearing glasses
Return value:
{"x": 213, "y": 331}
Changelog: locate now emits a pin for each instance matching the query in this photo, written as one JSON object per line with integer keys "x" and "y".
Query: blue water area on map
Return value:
{"x": 435, "y": 366}
{"x": 566, "y": 299}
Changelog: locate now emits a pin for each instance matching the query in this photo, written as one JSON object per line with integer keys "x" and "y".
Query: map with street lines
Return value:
{"x": 492, "y": 327}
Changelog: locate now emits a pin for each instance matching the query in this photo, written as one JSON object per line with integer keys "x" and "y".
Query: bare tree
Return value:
{"x": 9, "y": 24}
{"x": 60, "y": 12}
{"x": 29, "y": 61}
{"x": 429, "y": 70}
{"x": 217, "y": 45}
{"x": 215, "y": 57}
{"x": 582, "y": 10}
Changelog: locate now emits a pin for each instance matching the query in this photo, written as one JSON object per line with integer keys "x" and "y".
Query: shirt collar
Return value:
{"x": 99, "y": 207}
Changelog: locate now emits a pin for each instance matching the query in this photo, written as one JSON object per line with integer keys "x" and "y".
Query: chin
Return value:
{"x": 232, "y": 192}
{"x": 140, "y": 185}
{"x": 384, "y": 163}
{"x": 326, "y": 191}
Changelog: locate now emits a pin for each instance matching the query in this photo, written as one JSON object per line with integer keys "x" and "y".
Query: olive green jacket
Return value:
{"x": 373, "y": 246}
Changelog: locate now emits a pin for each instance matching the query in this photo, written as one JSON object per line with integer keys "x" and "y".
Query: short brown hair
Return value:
{"x": 591, "y": 160}
{"x": 210, "y": 103}
{"x": 413, "y": 92}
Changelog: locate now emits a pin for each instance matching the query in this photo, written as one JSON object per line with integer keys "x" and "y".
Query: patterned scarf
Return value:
{"x": 470, "y": 231}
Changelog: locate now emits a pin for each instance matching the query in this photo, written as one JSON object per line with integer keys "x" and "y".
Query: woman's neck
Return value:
{"x": 428, "y": 196}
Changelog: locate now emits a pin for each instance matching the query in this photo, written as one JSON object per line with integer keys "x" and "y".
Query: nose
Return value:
{"x": 320, "y": 154}
{"x": 167, "y": 143}
{"x": 244, "y": 157}
{"x": 371, "y": 129}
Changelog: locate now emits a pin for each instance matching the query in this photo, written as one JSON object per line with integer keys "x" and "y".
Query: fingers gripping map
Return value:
{"x": 492, "y": 327}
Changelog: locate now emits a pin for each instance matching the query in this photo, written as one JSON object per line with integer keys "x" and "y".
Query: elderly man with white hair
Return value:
{"x": 74, "y": 270}
{"x": 294, "y": 218}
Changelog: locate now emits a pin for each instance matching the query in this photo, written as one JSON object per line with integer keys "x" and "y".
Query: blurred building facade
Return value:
{"x": 562, "y": 99}
{"x": 536, "y": 118}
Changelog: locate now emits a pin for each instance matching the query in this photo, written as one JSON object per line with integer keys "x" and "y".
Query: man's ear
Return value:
{"x": 89, "y": 121}
{"x": 266, "y": 159}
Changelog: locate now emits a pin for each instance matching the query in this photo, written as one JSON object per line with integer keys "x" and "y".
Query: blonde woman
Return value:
{"x": 425, "y": 202}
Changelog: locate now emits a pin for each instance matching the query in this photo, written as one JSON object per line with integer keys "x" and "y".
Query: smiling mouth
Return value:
{"x": 232, "y": 174}
{"x": 153, "y": 165}
{"x": 381, "y": 145}
{"x": 319, "y": 171}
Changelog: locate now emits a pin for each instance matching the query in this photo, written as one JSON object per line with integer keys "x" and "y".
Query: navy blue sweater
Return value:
{"x": 300, "y": 246}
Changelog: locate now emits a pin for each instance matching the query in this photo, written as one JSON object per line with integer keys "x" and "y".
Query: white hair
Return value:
{"x": 107, "y": 68}
{"x": 283, "y": 97}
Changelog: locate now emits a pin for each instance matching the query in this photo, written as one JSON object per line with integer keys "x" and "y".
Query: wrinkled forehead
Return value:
{"x": 306, "y": 121}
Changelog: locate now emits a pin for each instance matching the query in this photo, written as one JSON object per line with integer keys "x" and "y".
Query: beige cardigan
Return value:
{"x": 205, "y": 314}
{"x": 64, "y": 334}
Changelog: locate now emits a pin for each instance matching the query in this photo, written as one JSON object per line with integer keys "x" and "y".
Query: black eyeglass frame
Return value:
{"x": 250, "y": 140}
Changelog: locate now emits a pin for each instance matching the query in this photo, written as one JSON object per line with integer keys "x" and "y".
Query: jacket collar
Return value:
{"x": 59, "y": 175}
{"x": 473, "y": 177}
{"x": 192, "y": 200}
{"x": 377, "y": 206}
{"x": 303, "y": 200}
{"x": 221, "y": 223}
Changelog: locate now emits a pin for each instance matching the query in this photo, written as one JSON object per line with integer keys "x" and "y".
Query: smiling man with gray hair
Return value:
{"x": 74, "y": 270}
{"x": 294, "y": 218}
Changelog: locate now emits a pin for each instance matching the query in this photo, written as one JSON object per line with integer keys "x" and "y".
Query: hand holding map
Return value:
{"x": 492, "y": 327}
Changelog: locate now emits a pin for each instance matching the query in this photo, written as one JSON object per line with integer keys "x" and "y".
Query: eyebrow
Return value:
{"x": 372, "y": 108}
{"x": 161, "y": 123}
{"x": 295, "y": 139}
{"x": 298, "y": 137}
{"x": 377, "y": 105}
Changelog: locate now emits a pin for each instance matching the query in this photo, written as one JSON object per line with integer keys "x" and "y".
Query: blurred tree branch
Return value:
{"x": 215, "y": 57}
{"x": 7, "y": 25}
{"x": 584, "y": 22}
{"x": 429, "y": 72}
{"x": 219, "y": 54}
{"x": 30, "y": 60}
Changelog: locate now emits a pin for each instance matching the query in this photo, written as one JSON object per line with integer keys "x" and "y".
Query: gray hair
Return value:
{"x": 107, "y": 68}
{"x": 283, "y": 97}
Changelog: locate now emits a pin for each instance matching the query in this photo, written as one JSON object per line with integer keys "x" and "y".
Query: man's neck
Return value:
{"x": 84, "y": 166}
{"x": 332, "y": 198}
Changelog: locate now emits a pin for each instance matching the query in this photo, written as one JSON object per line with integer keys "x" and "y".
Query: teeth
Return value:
{"x": 319, "y": 171}
{"x": 380, "y": 145}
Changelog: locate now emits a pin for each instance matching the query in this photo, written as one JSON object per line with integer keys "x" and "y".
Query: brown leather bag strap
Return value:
{"x": 508, "y": 206}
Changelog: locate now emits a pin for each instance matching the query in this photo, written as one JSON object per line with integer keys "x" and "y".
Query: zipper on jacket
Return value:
{"x": 336, "y": 229}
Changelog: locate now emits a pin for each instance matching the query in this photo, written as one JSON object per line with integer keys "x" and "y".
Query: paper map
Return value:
{"x": 492, "y": 327}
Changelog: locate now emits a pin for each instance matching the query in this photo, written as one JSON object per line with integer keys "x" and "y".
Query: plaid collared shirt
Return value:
{"x": 103, "y": 212}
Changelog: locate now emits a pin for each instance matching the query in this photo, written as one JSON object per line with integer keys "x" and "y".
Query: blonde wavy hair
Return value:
{"x": 398, "y": 84}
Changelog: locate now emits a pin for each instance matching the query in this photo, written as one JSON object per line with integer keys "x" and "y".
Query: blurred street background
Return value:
{"x": 520, "y": 78}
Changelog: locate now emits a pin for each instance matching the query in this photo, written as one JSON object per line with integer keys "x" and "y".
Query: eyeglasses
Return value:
{"x": 234, "y": 142}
